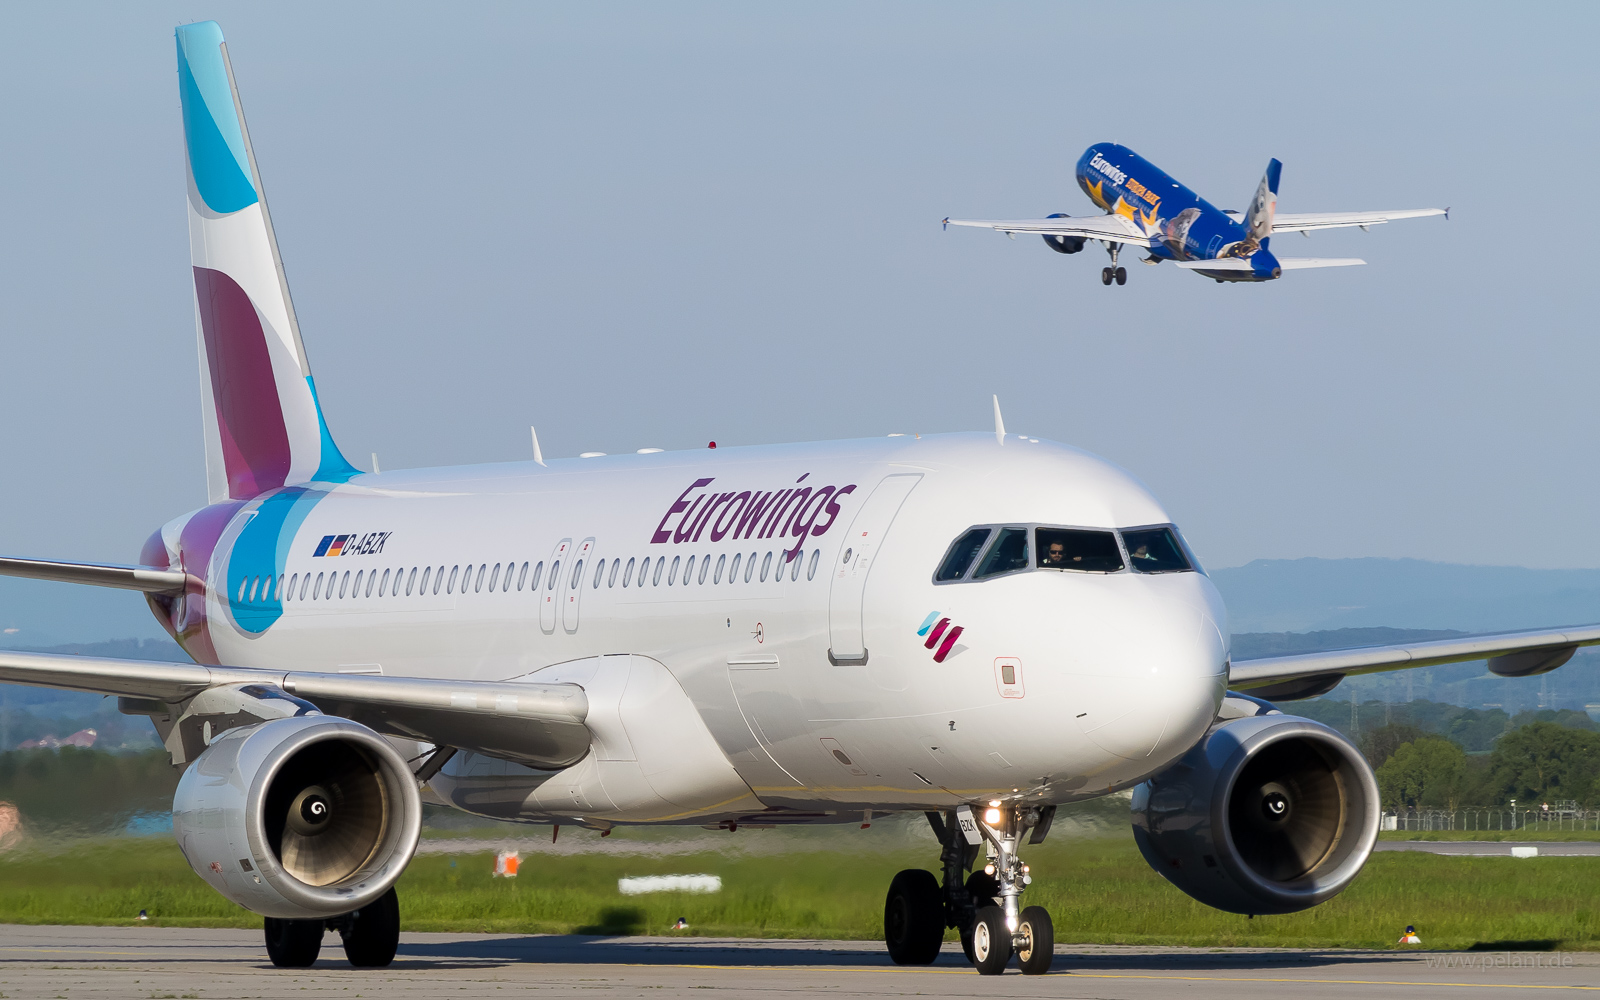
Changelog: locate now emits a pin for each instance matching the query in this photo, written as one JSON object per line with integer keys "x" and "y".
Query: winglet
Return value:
{"x": 537, "y": 456}
{"x": 999, "y": 424}
{"x": 1447, "y": 213}
{"x": 945, "y": 225}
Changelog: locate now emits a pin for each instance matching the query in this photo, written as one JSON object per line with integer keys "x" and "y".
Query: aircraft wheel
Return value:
{"x": 1037, "y": 941}
{"x": 991, "y": 941}
{"x": 913, "y": 918}
{"x": 293, "y": 944}
{"x": 372, "y": 933}
{"x": 1105, "y": 276}
{"x": 983, "y": 889}
{"x": 1121, "y": 275}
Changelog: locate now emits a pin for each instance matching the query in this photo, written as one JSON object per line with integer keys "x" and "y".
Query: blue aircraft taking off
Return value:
{"x": 1146, "y": 208}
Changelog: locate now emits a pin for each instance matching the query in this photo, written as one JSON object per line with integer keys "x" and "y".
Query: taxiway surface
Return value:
{"x": 145, "y": 962}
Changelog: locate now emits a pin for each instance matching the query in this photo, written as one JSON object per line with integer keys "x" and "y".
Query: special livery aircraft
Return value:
{"x": 977, "y": 627}
{"x": 1147, "y": 209}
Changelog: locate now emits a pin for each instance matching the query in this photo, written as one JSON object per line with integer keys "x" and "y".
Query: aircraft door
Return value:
{"x": 552, "y": 590}
{"x": 576, "y": 579}
{"x": 861, "y": 544}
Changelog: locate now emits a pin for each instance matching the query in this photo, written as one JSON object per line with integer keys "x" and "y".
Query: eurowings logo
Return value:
{"x": 368, "y": 544}
{"x": 937, "y": 629}
{"x": 1103, "y": 165}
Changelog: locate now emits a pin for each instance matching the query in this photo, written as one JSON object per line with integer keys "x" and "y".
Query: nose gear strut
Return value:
{"x": 985, "y": 906}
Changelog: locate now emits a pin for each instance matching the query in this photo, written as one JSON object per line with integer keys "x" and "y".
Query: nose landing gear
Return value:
{"x": 984, "y": 906}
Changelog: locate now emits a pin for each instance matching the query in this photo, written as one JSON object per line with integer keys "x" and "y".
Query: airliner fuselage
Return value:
{"x": 781, "y": 604}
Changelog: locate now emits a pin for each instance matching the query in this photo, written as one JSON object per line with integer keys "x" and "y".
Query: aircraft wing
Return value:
{"x": 1112, "y": 228}
{"x": 1287, "y": 263}
{"x": 145, "y": 578}
{"x": 542, "y": 725}
{"x": 1510, "y": 654}
{"x": 1304, "y": 222}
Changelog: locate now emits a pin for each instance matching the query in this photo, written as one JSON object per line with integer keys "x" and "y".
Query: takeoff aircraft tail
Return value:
{"x": 1258, "y": 221}
{"x": 263, "y": 425}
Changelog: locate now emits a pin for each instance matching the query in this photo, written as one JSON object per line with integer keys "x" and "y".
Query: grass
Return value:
{"x": 1098, "y": 890}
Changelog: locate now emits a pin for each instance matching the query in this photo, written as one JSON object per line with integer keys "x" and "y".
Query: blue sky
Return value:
{"x": 657, "y": 225}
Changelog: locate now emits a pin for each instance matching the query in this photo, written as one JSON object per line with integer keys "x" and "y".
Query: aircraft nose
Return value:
{"x": 1157, "y": 685}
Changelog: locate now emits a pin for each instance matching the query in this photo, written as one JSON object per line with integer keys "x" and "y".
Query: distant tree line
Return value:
{"x": 85, "y": 791}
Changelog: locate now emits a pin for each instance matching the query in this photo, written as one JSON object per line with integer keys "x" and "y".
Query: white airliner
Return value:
{"x": 980, "y": 627}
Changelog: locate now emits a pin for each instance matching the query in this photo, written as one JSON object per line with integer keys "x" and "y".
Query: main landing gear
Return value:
{"x": 1115, "y": 272}
{"x": 985, "y": 906}
{"x": 371, "y": 936}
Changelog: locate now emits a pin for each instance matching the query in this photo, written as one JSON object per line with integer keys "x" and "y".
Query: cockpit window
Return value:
{"x": 959, "y": 559}
{"x": 1008, "y": 554}
{"x": 1086, "y": 551}
{"x": 1155, "y": 550}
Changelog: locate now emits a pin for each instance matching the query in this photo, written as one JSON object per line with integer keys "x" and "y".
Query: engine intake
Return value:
{"x": 1063, "y": 244}
{"x": 1268, "y": 814}
{"x": 299, "y": 818}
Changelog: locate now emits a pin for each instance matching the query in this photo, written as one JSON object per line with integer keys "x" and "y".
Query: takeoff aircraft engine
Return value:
{"x": 299, "y": 818}
{"x": 1267, "y": 814}
{"x": 1063, "y": 244}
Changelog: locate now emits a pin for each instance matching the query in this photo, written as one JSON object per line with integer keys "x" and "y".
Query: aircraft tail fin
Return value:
{"x": 263, "y": 424}
{"x": 1258, "y": 221}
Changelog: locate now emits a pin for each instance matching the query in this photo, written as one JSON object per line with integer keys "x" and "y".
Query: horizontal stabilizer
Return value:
{"x": 145, "y": 578}
{"x": 1287, "y": 263}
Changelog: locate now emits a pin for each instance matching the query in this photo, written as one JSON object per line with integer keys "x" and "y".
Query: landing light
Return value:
{"x": 991, "y": 816}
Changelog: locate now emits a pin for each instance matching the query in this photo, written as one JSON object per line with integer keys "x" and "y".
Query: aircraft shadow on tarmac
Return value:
{"x": 577, "y": 949}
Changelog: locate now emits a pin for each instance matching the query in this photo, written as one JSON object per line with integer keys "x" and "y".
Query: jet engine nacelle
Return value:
{"x": 298, "y": 818}
{"x": 1063, "y": 244}
{"x": 1266, "y": 814}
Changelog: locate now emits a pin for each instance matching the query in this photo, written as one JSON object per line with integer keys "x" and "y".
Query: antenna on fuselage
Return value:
{"x": 375, "y": 468}
{"x": 999, "y": 424}
{"x": 538, "y": 456}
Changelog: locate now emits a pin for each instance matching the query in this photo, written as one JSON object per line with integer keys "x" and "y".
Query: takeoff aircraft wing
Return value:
{"x": 1510, "y": 654}
{"x": 542, "y": 725}
{"x": 1112, "y": 228}
{"x": 1304, "y": 222}
{"x": 1287, "y": 263}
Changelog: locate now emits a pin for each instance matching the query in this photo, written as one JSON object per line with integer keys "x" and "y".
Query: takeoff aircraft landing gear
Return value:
{"x": 984, "y": 906}
{"x": 1115, "y": 272}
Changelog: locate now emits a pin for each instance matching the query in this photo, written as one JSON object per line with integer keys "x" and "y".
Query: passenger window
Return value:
{"x": 355, "y": 591}
{"x": 627, "y": 574}
{"x": 811, "y": 571}
{"x": 766, "y": 566}
{"x": 522, "y": 577}
{"x": 494, "y": 577}
{"x": 959, "y": 559}
{"x": 705, "y": 565}
{"x": 1155, "y": 550}
{"x": 292, "y": 581}
{"x": 599, "y": 571}
{"x": 673, "y": 573}
{"x": 577, "y": 574}
{"x": 688, "y": 571}
{"x": 794, "y": 573}
{"x": 316, "y": 590}
{"x": 304, "y": 582}
{"x": 733, "y": 571}
{"x": 1068, "y": 548}
{"x": 438, "y": 579}
{"x": 722, "y": 561}
{"x": 410, "y": 580}
{"x": 611, "y": 581}
{"x": 1008, "y": 554}
{"x": 450, "y": 587}
{"x": 749, "y": 567}
{"x": 538, "y": 571}
{"x": 655, "y": 579}
{"x": 478, "y": 584}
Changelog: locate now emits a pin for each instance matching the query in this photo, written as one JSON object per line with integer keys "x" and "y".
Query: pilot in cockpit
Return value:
{"x": 1056, "y": 556}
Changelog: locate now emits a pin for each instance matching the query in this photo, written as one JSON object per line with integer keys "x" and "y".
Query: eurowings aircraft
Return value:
{"x": 1146, "y": 208}
{"x": 978, "y": 627}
